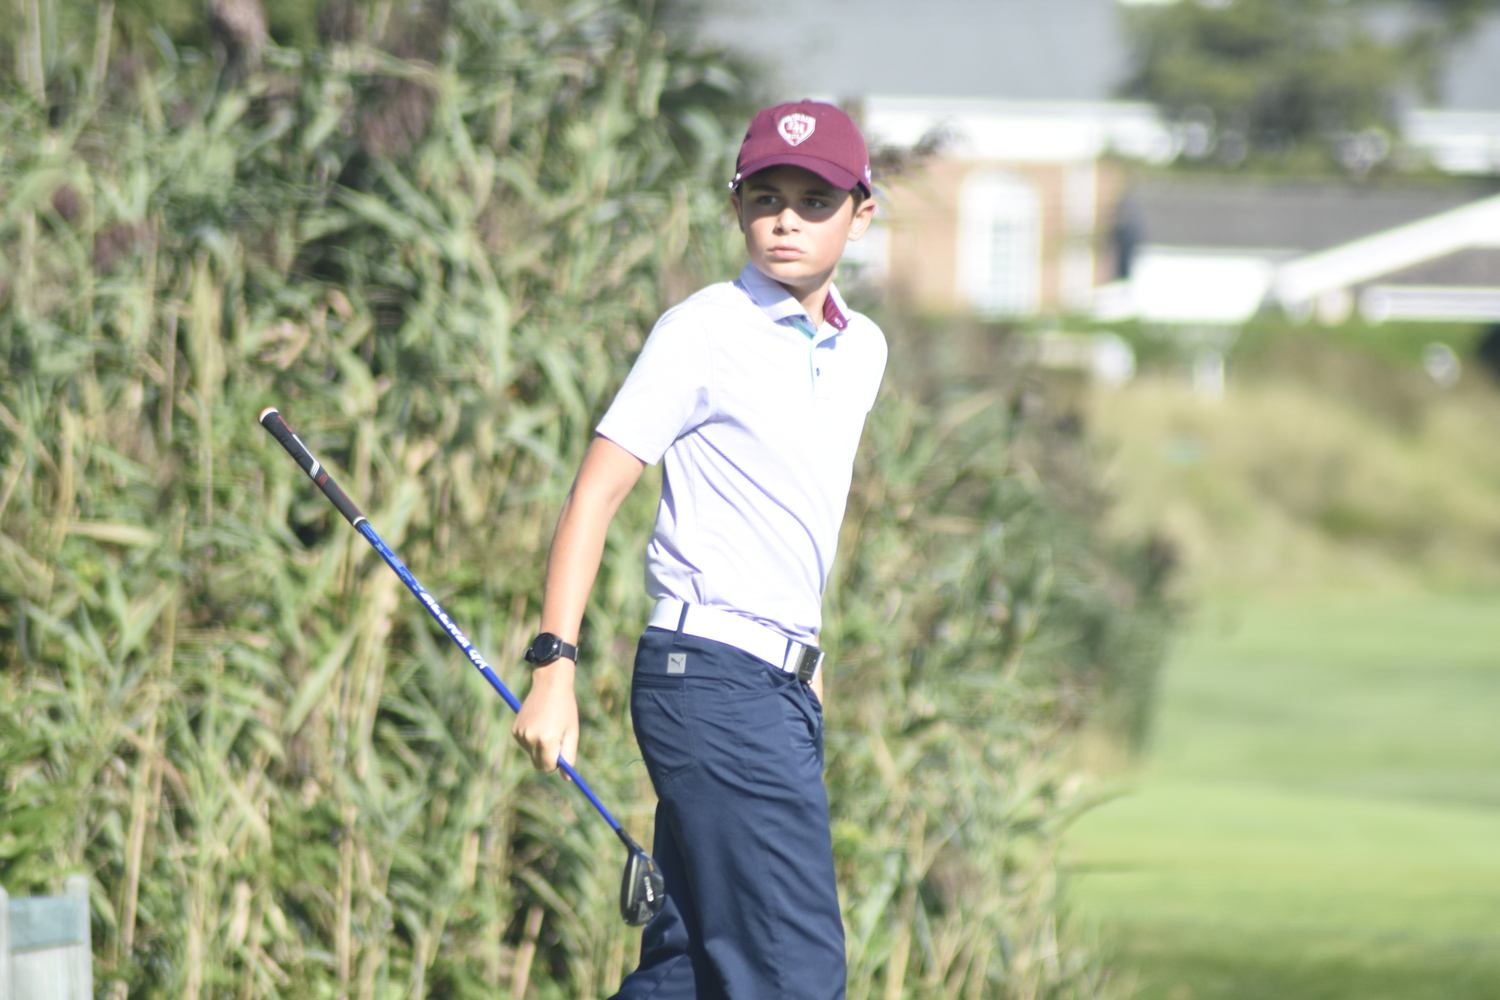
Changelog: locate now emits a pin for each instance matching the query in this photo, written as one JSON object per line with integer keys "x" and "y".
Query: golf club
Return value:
{"x": 642, "y": 892}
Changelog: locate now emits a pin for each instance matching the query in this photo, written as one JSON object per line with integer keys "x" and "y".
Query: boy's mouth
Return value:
{"x": 783, "y": 252}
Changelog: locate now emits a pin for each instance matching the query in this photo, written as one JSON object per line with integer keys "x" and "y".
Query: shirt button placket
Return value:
{"x": 804, "y": 326}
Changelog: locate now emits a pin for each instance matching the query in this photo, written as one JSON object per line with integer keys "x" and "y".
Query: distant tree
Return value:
{"x": 1460, "y": 16}
{"x": 1264, "y": 77}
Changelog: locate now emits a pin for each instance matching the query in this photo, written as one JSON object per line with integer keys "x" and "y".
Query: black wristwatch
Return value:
{"x": 547, "y": 647}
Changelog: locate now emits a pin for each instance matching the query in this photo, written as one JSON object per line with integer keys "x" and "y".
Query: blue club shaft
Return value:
{"x": 462, "y": 642}
{"x": 270, "y": 419}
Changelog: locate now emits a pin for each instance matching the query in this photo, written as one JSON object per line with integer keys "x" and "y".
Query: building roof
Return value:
{"x": 1023, "y": 131}
{"x": 1281, "y": 216}
{"x": 1475, "y": 267}
{"x": 1368, "y": 258}
{"x": 1061, "y": 50}
{"x": 1049, "y": 50}
{"x": 1207, "y": 253}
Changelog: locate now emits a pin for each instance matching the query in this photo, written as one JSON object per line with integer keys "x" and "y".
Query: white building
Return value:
{"x": 1216, "y": 252}
{"x": 1027, "y": 211}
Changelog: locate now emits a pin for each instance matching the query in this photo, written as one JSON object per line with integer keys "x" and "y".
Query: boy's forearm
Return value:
{"x": 572, "y": 565}
{"x": 606, "y": 478}
{"x": 547, "y": 725}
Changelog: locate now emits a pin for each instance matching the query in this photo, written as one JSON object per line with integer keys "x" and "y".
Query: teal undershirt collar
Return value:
{"x": 805, "y": 327}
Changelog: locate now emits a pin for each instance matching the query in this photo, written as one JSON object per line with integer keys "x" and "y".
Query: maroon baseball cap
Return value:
{"x": 808, "y": 134}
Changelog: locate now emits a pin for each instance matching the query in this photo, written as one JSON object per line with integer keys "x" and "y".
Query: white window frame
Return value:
{"x": 999, "y": 244}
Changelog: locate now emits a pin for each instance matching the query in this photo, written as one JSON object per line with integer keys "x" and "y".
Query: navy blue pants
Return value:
{"x": 734, "y": 748}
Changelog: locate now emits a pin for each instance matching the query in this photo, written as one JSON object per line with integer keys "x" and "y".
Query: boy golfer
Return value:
{"x": 754, "y": 392}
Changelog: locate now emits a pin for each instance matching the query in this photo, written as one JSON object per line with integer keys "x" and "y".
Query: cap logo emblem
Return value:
{"x": 795, "y": 129}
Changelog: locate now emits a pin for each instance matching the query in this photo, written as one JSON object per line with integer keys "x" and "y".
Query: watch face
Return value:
{"x": 544, "y": 649}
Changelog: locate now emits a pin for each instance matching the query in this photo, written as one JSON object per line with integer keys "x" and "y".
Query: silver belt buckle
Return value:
{"x": 805, "y": 663}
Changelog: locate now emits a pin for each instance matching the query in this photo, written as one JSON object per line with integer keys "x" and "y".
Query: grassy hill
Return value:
{"x": 1328, "y": 463}
{"x": 1319, "y": 814}
{"x": 1316, "y": 813}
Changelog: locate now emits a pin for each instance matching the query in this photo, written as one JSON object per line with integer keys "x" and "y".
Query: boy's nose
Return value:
{"x": 787, "y": 221}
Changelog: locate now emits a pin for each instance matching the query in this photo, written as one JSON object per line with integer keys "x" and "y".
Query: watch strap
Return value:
{"x": 558, "y": 650}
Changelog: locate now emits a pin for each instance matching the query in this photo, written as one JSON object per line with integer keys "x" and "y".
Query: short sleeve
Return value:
{"x": 667, "y": 393}
{"x": 872, "y": 354}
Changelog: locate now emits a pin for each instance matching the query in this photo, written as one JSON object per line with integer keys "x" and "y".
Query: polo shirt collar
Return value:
{"x": 779, "y": 305}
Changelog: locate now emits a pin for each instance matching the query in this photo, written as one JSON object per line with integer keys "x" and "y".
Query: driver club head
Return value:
{"x": 642, "y": 891}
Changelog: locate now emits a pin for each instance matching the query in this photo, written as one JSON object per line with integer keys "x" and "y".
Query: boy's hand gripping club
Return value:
{"x": 642, "y": 891}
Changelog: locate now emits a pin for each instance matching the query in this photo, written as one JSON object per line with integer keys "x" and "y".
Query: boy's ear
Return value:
{"x": 734, "y": 205}
{"x": 860, "y": 222}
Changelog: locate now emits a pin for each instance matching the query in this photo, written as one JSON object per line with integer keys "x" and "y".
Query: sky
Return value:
{"x": 1474, "y": 78}
{"x": 1015, "y": 49}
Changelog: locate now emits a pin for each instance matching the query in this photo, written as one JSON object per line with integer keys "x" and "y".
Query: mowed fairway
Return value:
{"x": 1319, "y": 816}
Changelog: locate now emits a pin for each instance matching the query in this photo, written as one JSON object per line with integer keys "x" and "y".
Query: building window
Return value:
{"x": 999, "y": 245}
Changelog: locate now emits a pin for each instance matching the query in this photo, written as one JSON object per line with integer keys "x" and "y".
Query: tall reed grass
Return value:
{"x": 214, "y": 701}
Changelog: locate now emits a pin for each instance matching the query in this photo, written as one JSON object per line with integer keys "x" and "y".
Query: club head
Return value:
{"x": 642, "y": 891}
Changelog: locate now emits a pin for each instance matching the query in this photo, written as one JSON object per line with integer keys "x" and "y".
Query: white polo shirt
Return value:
{"x": 758, "y": 416}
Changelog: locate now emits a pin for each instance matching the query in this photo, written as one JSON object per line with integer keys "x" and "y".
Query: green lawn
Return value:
{"x": 1320, "y": 813}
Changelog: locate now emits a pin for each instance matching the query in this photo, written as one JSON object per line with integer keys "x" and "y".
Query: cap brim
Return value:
{"x": 830, "y": 172}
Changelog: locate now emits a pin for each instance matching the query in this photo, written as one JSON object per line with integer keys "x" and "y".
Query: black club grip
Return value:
{"x": 270, "y": 419}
